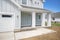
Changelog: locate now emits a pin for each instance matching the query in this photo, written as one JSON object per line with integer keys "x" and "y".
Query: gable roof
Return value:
{"x": 21, "y": 7}
{"x": 15, "y": 3}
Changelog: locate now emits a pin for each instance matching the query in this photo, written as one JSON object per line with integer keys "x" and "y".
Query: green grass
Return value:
{"x": 55, "y": 24}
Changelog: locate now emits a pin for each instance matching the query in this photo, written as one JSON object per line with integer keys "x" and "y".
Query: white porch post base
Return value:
{"x": 33, "y": 19}
{"x": 43, "y": 20}
{"x": 49, "y": 19}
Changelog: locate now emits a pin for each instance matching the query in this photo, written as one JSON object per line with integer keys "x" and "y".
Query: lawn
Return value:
{"x": 55, "y": 24}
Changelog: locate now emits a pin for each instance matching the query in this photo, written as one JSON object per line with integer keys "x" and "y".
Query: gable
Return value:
{"x": 7, "y": 6}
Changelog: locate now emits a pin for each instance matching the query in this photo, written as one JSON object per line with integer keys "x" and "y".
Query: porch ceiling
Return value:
{"x": 38, "y": 10}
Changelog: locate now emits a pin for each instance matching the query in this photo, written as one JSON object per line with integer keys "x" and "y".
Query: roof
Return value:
{"x": 36, "y": 9}
{"x": 22, "y": 7}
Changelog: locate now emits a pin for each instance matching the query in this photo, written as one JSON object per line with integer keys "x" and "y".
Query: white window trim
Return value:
{"x": 24, "y": 4}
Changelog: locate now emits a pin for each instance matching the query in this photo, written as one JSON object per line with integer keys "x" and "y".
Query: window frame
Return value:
{"x": 36, "y": 3}
{"x": 24, "y": 3}
{"x": 39, "y": 16}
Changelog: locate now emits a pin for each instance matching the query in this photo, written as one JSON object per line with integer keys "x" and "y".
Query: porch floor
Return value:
{"x": 32, "y": 33}
{"x": 28, "y": 29}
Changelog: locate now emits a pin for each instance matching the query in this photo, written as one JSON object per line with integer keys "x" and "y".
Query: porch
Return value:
{"x": 34, "y": 20}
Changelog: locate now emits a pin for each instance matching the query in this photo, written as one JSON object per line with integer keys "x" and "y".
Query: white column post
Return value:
{"x": 20, "y": 20}
{"x": 49, "y": 19}
{"x": 27, "y": 2}
{"x": 43, "y": 19}
{"x": 33, "y": 19}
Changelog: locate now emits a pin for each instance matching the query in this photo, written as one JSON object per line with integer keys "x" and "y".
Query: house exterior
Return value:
{"x": 17, "y": 14}
{"x": 56, "y": 17}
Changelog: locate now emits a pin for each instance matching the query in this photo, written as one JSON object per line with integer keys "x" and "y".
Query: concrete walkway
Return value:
{"x": 32, "y": 33}
{"x": 7, "y": 36}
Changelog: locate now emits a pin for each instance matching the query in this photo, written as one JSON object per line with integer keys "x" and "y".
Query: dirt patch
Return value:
{"x": 50, "y": 36}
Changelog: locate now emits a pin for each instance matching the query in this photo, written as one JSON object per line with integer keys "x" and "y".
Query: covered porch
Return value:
{"x": 32, "y": 23}
{"x": 30, "y": 17}
{"x": 33, "y": 19}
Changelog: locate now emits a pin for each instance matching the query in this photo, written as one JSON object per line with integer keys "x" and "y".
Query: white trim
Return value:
{"x": 20, "y": 19}
{"x": 27, "y": 3}
{"x": 49, "y": 19}
{"x": 33, "y": 19}
{"x": 43, "y": 20}
{"x": 16, "y": 4}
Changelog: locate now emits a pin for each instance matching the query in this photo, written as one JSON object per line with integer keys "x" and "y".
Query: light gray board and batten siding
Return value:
{"x": 7, "y": 7}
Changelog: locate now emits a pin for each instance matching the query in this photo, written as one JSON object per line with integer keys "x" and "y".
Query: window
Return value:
{"x": 39, "y": 16}
{"x": 37, "y": 3}
{"x": 24, "y": 1}
{"x": 31, "y": 1}
{"x": 6, "y": 15}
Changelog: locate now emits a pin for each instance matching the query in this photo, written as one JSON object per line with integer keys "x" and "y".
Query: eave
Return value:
{"x": 38, "y": 10}
{"x": 30, "y": 9}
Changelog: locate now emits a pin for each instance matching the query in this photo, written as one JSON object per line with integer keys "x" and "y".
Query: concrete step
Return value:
{"x": 24, "y": 29}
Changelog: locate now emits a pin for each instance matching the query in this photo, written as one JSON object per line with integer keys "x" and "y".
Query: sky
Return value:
{"x": 53, "y": 5}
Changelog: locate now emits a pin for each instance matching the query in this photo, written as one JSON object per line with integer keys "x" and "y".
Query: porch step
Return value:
{"x": 32, "y": 33}
{"x": 24, "y": 29}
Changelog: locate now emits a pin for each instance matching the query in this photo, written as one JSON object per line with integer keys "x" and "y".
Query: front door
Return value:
{"x": 38, "y": 19}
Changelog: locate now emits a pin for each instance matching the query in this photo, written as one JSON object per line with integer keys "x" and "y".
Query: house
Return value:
{"x": 17, "y": 14}
{"x": 56, "y": 16}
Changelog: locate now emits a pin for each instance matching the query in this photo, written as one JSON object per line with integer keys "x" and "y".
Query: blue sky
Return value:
{"x": 53, "y": 5}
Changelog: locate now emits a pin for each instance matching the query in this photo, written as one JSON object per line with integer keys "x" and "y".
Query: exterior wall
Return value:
{"x": 40, "y": 5}
{"x": 7, "y": 8}
{"x": 34, "y": 3}
{"x": 6, "y": 23}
